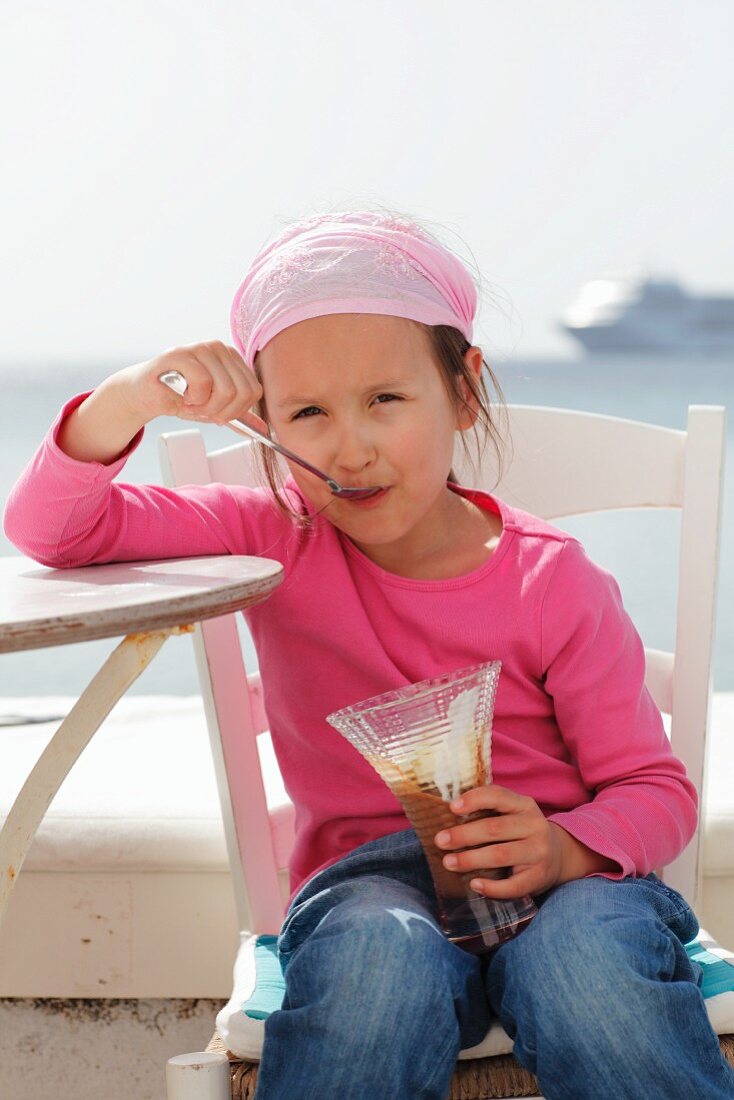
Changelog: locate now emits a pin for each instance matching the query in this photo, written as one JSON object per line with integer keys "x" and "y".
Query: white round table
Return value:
{"x": 147, "y": 601}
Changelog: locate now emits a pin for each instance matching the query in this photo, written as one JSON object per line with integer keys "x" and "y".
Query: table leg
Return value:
{"x": 120, "y": 670}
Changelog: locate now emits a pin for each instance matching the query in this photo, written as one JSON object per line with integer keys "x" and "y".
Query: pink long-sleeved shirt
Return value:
{"x": 574, "y": 726}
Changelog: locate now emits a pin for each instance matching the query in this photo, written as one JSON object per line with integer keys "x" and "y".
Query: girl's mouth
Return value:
{"x": 368, "y": 502}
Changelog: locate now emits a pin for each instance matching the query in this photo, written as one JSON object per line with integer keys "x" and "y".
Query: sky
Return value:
{"x": 151, "y": 148}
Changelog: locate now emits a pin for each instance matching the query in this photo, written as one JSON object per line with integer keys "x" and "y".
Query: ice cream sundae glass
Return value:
{"x": 431, "y": 742}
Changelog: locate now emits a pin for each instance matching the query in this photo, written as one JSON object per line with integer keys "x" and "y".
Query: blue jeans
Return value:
{"x": 597, "y": 993}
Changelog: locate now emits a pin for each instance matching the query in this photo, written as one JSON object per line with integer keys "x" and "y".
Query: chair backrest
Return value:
{"x": 561, "y": 463}
{"x": 259, "y": 837}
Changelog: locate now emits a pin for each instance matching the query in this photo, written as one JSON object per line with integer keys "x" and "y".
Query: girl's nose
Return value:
{"x": 354, "y": 449}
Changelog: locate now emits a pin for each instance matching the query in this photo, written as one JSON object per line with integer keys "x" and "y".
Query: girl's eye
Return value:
{"x": 315, "y": 410}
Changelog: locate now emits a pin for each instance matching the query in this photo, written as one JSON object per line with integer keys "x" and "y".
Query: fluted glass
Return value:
{"x": 430, "y": 742}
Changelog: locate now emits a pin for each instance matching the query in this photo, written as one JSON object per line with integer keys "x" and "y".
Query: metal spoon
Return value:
{"x": 176, "y": 382}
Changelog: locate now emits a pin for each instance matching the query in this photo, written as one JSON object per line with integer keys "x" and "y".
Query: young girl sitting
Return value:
{"x": 353, "y": 336}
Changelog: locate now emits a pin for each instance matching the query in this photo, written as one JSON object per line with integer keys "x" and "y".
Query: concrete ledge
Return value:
{"x": 86, "y": 1050}
{"x": 134, "y": 934}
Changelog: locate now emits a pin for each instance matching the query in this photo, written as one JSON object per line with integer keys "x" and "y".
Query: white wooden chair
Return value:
{"x": 563, "y": 463}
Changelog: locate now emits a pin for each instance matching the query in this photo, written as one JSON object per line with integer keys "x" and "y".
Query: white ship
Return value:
{"x": 619, "y": 314}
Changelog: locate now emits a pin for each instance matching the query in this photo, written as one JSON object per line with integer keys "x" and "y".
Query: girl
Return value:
{"x": 353, "y": 336}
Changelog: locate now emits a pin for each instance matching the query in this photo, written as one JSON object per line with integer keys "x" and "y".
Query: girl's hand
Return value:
{"x": 220, "y": 386}
{"x": 540, "y": 853}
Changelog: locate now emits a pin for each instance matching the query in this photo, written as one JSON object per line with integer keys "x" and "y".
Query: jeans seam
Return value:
{"x": 439, "y": 1061}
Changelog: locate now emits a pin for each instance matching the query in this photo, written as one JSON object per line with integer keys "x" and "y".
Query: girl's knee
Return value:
{"x": 378, "y": 964}
{"x": 589, "y": 955}
{"x": 373, "y": 951}
{"x": 575, "y": 980}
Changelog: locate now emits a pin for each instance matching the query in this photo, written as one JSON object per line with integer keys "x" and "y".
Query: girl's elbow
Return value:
{"x": 21, "y": 541}
{"x": 18, "y": 528}
{"x": 34, "y": 548}
{"x": 45, "y": 555}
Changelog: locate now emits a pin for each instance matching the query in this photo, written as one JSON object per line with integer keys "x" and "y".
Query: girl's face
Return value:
{"x": 361, "y": 397}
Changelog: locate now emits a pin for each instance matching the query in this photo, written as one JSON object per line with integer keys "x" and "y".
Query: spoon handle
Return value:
{"x": 176, "y": 382}
{"x": 245, "y": 429}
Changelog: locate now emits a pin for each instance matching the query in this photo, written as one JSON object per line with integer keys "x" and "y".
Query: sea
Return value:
{"x": 641, "y": 550}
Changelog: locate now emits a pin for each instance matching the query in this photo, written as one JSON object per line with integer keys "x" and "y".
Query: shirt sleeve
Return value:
{"x": 63, "y": 512}
{"x": 644, "y": 809}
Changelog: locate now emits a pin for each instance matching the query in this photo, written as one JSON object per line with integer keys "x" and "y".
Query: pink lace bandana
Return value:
{"x": 351, "y": 262}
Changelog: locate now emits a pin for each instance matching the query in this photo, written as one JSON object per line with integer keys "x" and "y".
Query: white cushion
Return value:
{"x": 141, "y": 797}
{"x": 244, "y": 1036}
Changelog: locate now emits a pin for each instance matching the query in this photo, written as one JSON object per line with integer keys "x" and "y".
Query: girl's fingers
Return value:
{"x": 485, "y": 830}
{"x": 491, "y": 797}
{"x": 509, "y": 816}
{"x": 494, "y": 856}
{"x": 223, "y": 388}
{"x": 244, "y": 391}
{"x": 248, "y": 390}
{"x": 220, "y": 387}
{"x": 240, "y": 367}
{"x": 527, "y": 881}
{"x": 189, "y": 361}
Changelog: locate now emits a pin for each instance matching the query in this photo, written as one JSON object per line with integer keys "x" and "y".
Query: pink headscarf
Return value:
{"x": 351, "y": 262}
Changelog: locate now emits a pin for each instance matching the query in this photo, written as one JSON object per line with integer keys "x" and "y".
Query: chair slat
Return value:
{"x": 565, "y": 462}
